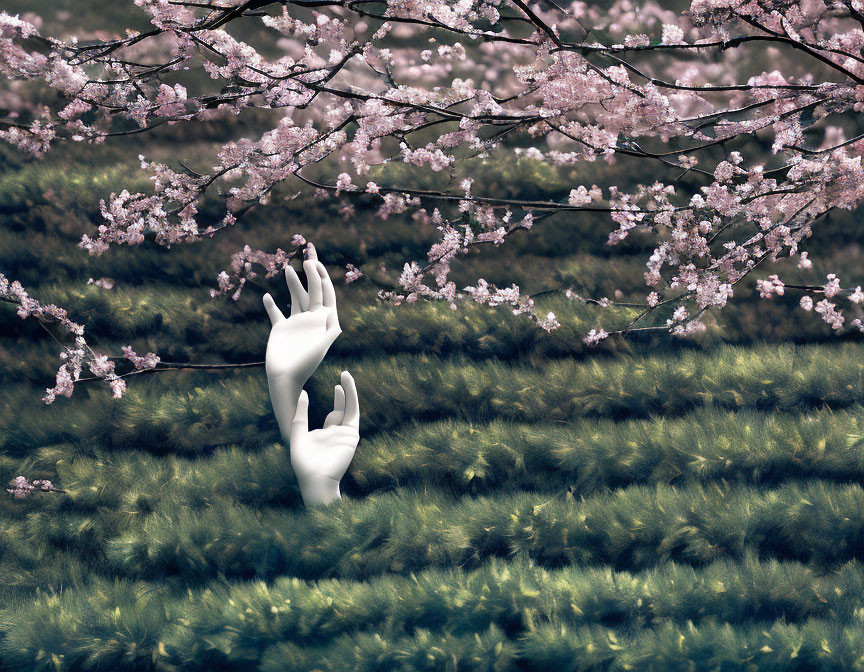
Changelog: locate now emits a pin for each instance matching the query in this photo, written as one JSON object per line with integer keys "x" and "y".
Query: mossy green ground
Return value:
{"x": 516, "y": 502}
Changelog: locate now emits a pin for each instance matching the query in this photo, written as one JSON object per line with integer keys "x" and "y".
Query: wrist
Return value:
{"x": 287, "y": 379}
{"x": 283, "y": 396}
{"x": 319, "y": 490}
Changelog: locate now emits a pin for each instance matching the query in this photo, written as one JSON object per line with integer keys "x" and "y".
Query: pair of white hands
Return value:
{"x": 296, "y": 347}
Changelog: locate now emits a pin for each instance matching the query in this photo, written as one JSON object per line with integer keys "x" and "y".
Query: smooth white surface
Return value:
{"x": 296, "y": 347}
{"x": 321, "y": 457}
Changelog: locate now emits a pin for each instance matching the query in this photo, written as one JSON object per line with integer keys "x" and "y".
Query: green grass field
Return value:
{"x": 517, "y": 502}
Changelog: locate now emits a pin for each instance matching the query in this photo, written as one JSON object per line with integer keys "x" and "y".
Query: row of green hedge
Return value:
{"x": 228, "y": 625}
{"x": 632, "y": 528}
{"x": 166, "y": 412}
{"x": 464, "y": 458}
{"x": 592, "y": 455}
{"x": 817, "y": 645}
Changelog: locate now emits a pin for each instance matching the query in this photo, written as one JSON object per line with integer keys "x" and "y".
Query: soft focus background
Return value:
{"x": 516, "y": 501}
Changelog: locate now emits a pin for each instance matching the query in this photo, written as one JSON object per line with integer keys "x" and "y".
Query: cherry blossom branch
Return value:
{"x": 356, "y": 95}
{"x": 74, "y": 358}
{"x": 175, "y": 366}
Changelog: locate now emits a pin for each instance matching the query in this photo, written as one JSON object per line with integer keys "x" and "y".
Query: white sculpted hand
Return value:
{"x": 321, "y": 457}
{"x": 297, "y": 344}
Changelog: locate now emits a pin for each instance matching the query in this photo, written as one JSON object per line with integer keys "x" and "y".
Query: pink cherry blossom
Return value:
{"x": 353, "y": 273}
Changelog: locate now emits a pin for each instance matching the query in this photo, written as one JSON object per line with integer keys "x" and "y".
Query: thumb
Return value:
{"x": 300, "y": 424}
{"x": 272, "y": 310}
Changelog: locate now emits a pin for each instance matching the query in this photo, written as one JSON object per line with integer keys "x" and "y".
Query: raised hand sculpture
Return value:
{"x": 296, "y": 347}
{"x": 298, "y": 343}
{"x": 321, "y": 457}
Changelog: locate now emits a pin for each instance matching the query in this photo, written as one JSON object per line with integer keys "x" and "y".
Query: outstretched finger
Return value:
{"x": 272, "y": 310}
{"x": 327, "y": 290}
{"x": 299, "y": 298}
{"x": 313, "y": 280}
{"x": 352, "y": 402}
{"x": 300, "y": 424}
{"x": 335, "y": 416}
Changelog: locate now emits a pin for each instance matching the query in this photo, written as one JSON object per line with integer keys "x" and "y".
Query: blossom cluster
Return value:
{"x": 21, "y": 487}
{"x": 148, "y": 361}
{"x": 77, "y": 356}
{"x": 243, "y": 263}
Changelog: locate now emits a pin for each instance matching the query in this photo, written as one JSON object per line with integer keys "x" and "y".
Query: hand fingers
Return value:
{"x": 339, "y": 398}
{"x": 299, "y": 298}
{"x": 311, "y": 252}
{"x": 313, "y": 280}
{"x": 300, "y": 424}
{"x": 352, "y": 403}
{"x": 335, "y": 416}
{"x": 272, "y": 310}
{"x": 328, "y": 293}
